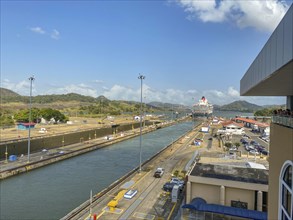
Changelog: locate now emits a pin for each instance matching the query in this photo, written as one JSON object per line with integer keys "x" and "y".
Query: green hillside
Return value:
{"x": 8, "y": 93}
{"x": 242, "y": 106}
{"x": 72, "y": 103}
{"x": 63, "y": 98}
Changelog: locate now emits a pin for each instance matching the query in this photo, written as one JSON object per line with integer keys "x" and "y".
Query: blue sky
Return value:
{"x": 185, "y": 49}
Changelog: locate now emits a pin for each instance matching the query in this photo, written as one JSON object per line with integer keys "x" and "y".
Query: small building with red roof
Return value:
{"x": 257, "y": 126}
{"x": 232, "y": 127}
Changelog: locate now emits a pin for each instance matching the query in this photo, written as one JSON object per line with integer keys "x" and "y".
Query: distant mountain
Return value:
{"x": 76, "y": 100}
{"x": 169, "y": 106}
{"x": 217, "y": 107}
{"x": 242, "y": 106}
{"x": 156, "y": 104}
{"x": 10, "y": 96}
{"x": 63, "y": 98}
{"x": 73, "y": 102}
{"x": 8, "y": 93}
{"x": 275, "y": 106}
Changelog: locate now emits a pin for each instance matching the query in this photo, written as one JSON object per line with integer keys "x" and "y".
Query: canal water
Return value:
{"x": 231, "y": 114}
{"x": 53, "y": 191}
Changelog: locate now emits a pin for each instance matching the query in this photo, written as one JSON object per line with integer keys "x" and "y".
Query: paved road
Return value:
{"x": 151, "y": 201}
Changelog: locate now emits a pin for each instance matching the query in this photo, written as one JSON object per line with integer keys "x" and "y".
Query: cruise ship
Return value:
{"x": 202, "y": 108}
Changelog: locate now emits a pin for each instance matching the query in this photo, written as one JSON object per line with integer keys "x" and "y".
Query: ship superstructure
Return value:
{"x": 202, "y": 108}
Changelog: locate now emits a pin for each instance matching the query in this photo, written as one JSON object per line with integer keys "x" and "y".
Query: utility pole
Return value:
{"x": 141, "y": 77}
{"x": 31, "y": 79}
{"x": 6, "y": 154}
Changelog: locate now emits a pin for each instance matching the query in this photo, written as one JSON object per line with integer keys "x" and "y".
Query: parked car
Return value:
{"x": 168, "y": 186}
{"x": 260, "y": 148}
{"x": 159, "y": 172}
{"x": 255, "y": 152}
{"x": 265, "y": 152}
{"x": 130, "y": 194}
{"x": 177, "y": 181}
{"x": 243, "y": 141}
{"x": 254, "y": 142}
{"x": 245, "y": 136}
{"x": 249, "y": 147}
{"x": 266, "y": 138}
{"x": 233, "y": 148}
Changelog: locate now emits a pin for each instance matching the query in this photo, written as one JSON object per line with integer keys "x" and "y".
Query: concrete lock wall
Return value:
{"x": 39, "y": 143}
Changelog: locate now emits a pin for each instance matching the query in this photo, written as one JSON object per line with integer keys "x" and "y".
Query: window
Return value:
{"x": 286, "y": 192}
{"x": 238, "y": 204}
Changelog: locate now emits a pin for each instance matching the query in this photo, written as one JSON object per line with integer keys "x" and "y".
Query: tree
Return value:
{"x": 23, "y": 115}
{"x": 264, "y": 112}
{"x": 46, "y": 113}
{"x": 237, "y": 144}
{"x": 6, "y": 119}
{"x": 49, "y": 113}
{"x": 228, "y": 144}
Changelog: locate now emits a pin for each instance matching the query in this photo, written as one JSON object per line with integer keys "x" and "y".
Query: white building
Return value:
{"x": 231, "y": 127}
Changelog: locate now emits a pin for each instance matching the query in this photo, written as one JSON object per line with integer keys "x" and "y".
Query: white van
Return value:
{"x": 43, "y": 130}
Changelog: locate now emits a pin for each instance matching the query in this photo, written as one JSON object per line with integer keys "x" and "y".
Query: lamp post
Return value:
{"x": 29, "y": 120}
{"x": 144, "y": 105}
{"x": 6, "y": 154}
{"x": 141, "y": 77}
{"x": 192, "y": 112}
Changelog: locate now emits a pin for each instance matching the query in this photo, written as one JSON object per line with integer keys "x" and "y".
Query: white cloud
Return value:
{"x": 261, "y": 15}
{"x": 189, "y": 97}
{"x": 119, "y": 92}
{"x": 55, "y": 34}
{"x": 79, "y": 89}
{"x": 37, "y": 30}
{"x": 233, "y": 92}
{"x": 22, "y": 87}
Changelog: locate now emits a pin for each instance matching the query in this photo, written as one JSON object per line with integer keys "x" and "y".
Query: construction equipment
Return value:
{"x": 114, "y": 202}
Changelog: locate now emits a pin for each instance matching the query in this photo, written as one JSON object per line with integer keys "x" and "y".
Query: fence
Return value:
{"x": 283, "y": 120}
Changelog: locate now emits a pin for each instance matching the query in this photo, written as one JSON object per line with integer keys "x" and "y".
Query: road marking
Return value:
{"x": 116, "y": 210}
{"x": 144, "y": 216}
{"x": 100, "y": 214}
{"x": 140, "y": 179}
{"x": 88, "y": 217}
{"x": 137, "y": 202}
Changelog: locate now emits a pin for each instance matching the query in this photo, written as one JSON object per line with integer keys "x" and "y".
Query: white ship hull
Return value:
{"x": 202, "y": 108}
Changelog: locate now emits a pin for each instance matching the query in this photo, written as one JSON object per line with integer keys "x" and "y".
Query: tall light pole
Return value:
{"x": 32, "y": 78}
{"x": 141, "y": 77}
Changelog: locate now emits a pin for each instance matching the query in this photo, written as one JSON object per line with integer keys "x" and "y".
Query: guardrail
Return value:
{"x": 283, "y": 120}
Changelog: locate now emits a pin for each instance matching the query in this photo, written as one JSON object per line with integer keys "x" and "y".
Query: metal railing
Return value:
{"x": 283, "y": 120}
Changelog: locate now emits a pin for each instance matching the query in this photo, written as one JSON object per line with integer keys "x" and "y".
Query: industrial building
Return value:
{"x": 226, "y": 190}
